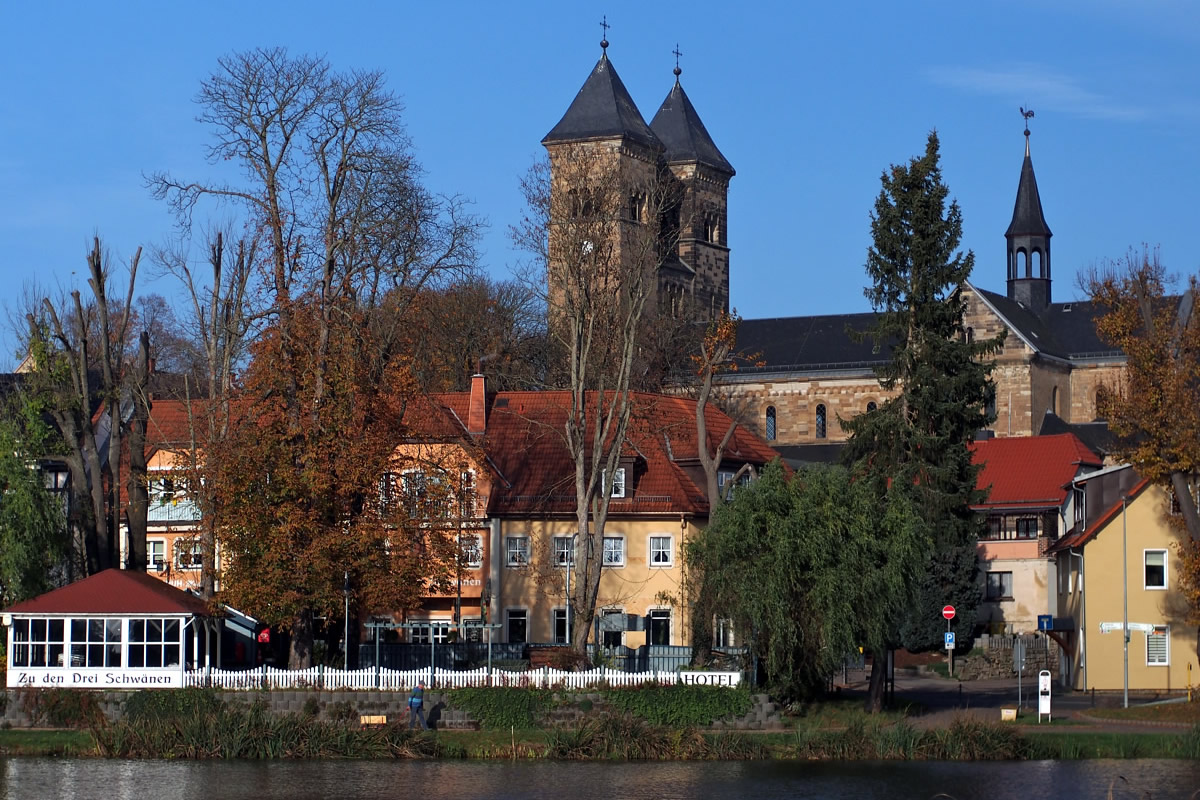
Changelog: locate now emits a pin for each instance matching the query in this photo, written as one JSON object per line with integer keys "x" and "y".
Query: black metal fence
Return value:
{"x": 469, "y": 655}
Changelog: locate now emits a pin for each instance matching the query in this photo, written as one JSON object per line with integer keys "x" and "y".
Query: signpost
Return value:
{"x": 948, "y": 613}
{"x": 1019, "y": 664}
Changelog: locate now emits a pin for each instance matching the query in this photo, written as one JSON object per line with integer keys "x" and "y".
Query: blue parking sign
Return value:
{"x": 949, "y": 640}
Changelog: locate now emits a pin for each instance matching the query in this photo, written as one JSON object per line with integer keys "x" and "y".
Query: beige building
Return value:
{"x": 1123, "y": 565}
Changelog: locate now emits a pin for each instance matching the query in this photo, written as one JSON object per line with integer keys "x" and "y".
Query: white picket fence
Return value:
{"x": 383, "y": 678}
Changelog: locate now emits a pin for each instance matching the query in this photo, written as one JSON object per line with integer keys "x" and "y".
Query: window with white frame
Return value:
{"x": 1156, "y": 569}
{"x": 163, "y": 487}
{"x": 156, "y": 554}
{"x": 618, "y": 482}
{"x": 517, "y": 626}
{"x": 662, "y": 551}
{"x": 659, "y": 626}
{"x": 1158, "y": 646}
{"x": 389, "y": 485}
{"x": 153, "y": 642}
{"x": 723, "y": 633}
{"x": 516, "y": 551}
{"x": 188, "y": 554}
{"x": 95, "y": 642}
{"x": 470, "y": 548}
{"x": 614, "y": 551}
{"x": 564, "y": 552}
{"x": 1079, "y": 503}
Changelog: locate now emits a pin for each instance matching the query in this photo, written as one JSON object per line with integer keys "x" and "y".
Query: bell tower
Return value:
{"x": 1028, "y": 238}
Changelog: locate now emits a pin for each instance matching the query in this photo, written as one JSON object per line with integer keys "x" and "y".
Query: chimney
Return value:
{"x": 477, "y": 412}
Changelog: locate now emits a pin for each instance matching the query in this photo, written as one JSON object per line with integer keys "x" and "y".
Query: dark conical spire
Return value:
{"x": 603, "y": 109}
{"x": 1027, "y": 219}
{"x": 679, "y": 128}
{"x": 1028, "y": 238}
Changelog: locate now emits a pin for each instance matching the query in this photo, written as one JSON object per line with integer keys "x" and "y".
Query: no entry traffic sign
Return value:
{"x": 948, "y": 612}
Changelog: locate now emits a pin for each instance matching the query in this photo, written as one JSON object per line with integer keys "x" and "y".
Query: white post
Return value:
{"x": 1125, "y": 592}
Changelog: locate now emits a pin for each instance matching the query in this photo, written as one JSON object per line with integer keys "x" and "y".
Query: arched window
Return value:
{"x": 970, "y": 335}
{"x": 871, "y": 406}
{"x": 821, "y": 421}
{"x": 770, "y": 423}
{"x": 1054, "y": 400}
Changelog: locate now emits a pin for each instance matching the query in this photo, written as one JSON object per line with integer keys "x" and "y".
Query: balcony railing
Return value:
{"x": 173, "y": 511}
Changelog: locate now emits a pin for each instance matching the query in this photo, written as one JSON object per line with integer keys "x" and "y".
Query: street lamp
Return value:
{"x": 1125, "y": 592}
{"x": 346, "y": 646}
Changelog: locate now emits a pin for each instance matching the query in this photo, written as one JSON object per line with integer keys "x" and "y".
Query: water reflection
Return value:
{"x": 22, "y": 778}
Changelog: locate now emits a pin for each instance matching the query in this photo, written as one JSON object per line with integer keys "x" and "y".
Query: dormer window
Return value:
{"x": 618, "y": 482}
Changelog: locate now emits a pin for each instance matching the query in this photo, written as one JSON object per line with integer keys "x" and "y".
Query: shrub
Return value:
{"x": 503, "y": 707}
{"x": 681, "y": 705}
{"x": 61, "y": 708}
{"x": 169, "y": 704}
{"x": 342, "y": 712}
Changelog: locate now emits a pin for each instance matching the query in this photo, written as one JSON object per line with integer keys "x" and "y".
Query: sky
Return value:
{"x": 810, "y": 102}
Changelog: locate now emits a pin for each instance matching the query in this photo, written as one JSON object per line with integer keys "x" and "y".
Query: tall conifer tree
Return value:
{"x": 919, "y": 438}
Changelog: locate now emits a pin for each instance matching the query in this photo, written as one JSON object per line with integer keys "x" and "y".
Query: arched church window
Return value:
{"x": 871, "y": 406}
{"x": 770, "y": 423}
{"x": 821, "y": 421}
{"x": 1054, "y": 400}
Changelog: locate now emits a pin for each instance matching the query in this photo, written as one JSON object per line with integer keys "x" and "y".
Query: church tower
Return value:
{"x": 704, "y": 174}
{"x": 1028, "y": 238}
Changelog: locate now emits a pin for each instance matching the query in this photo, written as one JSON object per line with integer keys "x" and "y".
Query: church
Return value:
{"x": 809, "y": 372}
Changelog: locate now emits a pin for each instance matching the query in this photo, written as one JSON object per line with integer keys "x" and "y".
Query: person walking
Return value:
{"x": 416, "y": 705}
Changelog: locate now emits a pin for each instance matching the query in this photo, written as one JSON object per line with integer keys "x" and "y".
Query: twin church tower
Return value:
{"x": 695, "y": 276}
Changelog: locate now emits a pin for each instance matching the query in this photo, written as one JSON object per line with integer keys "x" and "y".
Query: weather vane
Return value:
{"x": 677, "y": 55}
{"x": 1028, "y": 115}
{"x": 604, "y": 36}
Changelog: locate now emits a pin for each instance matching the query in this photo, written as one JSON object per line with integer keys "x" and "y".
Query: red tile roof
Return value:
{"x": 1030, "y": 472}
{"x": 114, "y": 591}
{"x": 524, "y": 444}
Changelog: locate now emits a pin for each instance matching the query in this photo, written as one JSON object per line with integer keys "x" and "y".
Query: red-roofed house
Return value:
{"x": 115, "y": 629}
{"x": 507, "y": 448}
{"x": 1030, "y": 505}
{"x": 1127, "y": 549}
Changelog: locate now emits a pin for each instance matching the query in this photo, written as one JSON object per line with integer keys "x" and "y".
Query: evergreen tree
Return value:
{"x": 918, "y": 440}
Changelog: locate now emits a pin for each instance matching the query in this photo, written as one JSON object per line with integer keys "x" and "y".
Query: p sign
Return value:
{"x": 949, "y": 640}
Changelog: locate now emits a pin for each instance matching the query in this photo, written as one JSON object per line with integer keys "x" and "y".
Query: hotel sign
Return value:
{"x": 710, "y": 678}
{"x": 96, "y": 678}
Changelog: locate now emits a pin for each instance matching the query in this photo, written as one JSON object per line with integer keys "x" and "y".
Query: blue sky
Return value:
{"x": 809, "y": 101}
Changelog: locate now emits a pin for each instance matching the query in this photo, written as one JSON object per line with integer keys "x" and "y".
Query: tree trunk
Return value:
{"x": 139, "y": 494}
{"x": 300, "y": 652}
{"x": 878, "y": 684}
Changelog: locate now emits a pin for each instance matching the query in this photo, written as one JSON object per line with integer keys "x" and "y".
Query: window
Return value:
{"x": 994, "y": 527}
{"x": 999, "y": 586}
{"x": 614, "y": 551}
{"x": 820, "y": 421}
{"x": 163, "y": 489}
{"x": 723, "y": 633}
{"x": 871, "y": 406}
{"x": 470, "y": 548}
{"x": 559, "y": 624}
{"x": 188, "y": 554}
{"x": 659, "y": 626}
{"x": 1079, "y": 504}
{"x": 153, "y": 642}
{"x": 770, "y": 423}
{"x": 1158, "y": 646}
{"x": 516, "y": 550}
{"x": 618, "y": 482}
{"x": 156, "y": 554}
{"x": 1156, "y": 569}
{"x": 661, "y": 551}
{"x": 1027, "y": 528}
{"x": 466, "y": 494}
{"x": 96, "y": 643}
{"x": 564, "y": 554}
{"x": 518, "y": 626}
{"x": 55, "y": 478}
{"x": 38, "y": 642}
{"x": 387, "y": 493}
{"x": 439, "y": 633}
{"x": 612, "y": 627}
{"x": 419, "y": 635}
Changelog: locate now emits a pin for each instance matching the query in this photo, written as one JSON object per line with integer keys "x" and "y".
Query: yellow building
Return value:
{"x": 1122, "y": 565}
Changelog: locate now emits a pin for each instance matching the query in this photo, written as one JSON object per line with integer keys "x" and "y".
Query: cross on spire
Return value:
{"x": 604, "y": 26}
{"x": 677, "y": 55}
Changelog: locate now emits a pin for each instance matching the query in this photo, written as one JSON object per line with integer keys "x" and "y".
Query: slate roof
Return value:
{"x": 114, "y": 591}
{"x": 1066, "y": 330}
{"x": 679, "y": 128}
{"x": 1096, "y": 435}
{"x": 523, "y": 445}
{"x": 1027, "y": 219}
{"x": 817, "y": 342}
{"x": 602, "y": 109}
{"x": 1029, "y": 472}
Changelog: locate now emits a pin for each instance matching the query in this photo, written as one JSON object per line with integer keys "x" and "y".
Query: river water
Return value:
{"x": 85, "y": 779}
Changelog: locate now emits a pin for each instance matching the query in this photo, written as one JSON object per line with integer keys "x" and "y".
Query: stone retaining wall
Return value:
{"x": 988, "y": 662}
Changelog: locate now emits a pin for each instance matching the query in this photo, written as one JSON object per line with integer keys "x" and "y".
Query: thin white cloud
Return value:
{"x": 1040, "y": 87}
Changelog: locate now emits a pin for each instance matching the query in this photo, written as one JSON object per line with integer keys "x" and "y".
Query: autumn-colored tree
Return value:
{"x": 1154, "y": 407}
